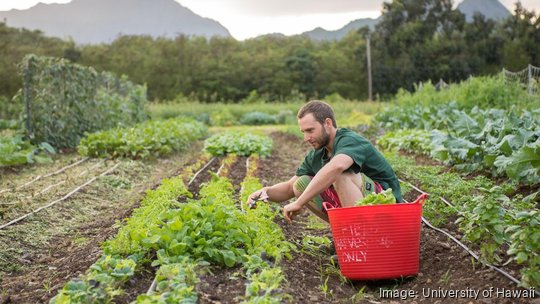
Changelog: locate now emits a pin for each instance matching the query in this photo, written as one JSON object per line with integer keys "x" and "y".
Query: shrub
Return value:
{"x": 258, "y": 118}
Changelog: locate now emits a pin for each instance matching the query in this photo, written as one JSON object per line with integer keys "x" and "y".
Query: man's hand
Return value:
{"x": 291, "y": 210}
{"x": 259, "y": 195}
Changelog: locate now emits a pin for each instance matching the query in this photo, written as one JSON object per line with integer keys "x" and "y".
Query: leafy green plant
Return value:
{"x": 210, "y": 229}
{"x": 9, "y": 110}
{"x": 223, "y": 117}
{"x": 315, "y": 223}
{"x": 8, "y": 124}
{"x": 485, "y": 92}
{"x": 312, "y": 244}
{"x": 384, "y": 198}
{"x": 264, "y": 287}
{"x": 325, "y": 289}
{"x": 494, "y": 140}
{"x": 411, "y": 140}
{"x": 175, "y": 284}
{"x": 148, "y": 216}
{"x": 17, "y": 151}
{"x": 286, "y": 117}
{"x": 101, "y": 282}
{"x": 522, "y": 165}
{"x": 258, "y": 118}
{"x": 481, "y": 221}
{"x": 151, "y": 138}
{"x": 525, "y": 245}
{"x": 240, "y": 143}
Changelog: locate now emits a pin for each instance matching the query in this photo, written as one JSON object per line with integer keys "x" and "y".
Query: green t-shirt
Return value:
{"x": 366, "y": 160}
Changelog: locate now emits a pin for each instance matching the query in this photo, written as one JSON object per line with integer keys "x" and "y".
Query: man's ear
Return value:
{"x": 328, "y": 122}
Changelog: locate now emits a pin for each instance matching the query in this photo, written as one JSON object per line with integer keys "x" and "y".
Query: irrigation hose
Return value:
{"x": 219, "y": 170}
{"x": 92, "y": 168}
{"x": 195, "y": 176}
{"x": 242, "y": 188}
{"x": 47, "y": 175}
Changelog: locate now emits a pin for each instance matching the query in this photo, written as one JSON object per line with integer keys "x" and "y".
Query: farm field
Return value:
{"x": 61, "y": 242}
{"x": 151, "y": 207}
{"x": 135, "y": 170}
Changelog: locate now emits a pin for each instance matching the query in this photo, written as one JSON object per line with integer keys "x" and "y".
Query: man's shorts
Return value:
{"x": 330, "y": 195}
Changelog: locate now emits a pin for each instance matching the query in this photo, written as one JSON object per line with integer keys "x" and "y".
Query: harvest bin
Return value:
{"x": 377, "y": 242}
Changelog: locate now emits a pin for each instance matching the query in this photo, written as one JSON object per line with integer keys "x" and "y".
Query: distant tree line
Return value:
{"x": 415, "y": 41}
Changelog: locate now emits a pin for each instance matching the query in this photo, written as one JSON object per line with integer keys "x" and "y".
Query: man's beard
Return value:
{"x": 323, "y": 140}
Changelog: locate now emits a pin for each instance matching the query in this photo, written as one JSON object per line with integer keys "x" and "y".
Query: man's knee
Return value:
{"x": 349, "y": 188}
{"x": 347, "y": 179}
{"x": 301, "y": 184}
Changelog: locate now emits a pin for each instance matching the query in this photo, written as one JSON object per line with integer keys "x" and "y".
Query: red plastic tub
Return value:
{"x": 377, "y": 242}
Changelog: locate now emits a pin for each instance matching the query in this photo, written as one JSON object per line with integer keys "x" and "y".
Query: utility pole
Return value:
{"x": 368, "y": 53}
{"x": 529, "y": 79}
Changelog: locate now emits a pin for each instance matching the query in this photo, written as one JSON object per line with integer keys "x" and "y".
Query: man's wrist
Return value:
{"x": 299, "y": 202}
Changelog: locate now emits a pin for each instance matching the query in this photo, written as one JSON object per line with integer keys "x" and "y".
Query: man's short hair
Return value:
{"x": 320, "y": 110}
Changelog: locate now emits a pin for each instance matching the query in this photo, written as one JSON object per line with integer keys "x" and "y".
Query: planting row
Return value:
{"x": 498, "y": 141}
{"x": 155, "y": 138}
{"x": 151, "y": 138}
{"x": 239, "y": 143}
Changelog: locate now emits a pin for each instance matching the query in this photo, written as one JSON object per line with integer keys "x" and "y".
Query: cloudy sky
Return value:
{"x": 248, "y": 18}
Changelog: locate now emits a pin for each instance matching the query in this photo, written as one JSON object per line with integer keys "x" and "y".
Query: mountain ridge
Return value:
{"x": 320, "y": 34}
{"x": 102, "y": 21}
{"x": 491, "y": 9}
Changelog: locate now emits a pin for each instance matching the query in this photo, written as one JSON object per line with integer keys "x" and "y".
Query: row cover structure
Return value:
{"x": 63, "y": 100}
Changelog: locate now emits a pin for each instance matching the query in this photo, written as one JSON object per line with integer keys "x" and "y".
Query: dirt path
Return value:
{"x": 41, "y": 253}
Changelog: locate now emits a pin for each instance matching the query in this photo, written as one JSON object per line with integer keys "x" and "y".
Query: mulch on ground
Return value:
{"x": 45, "y": 268}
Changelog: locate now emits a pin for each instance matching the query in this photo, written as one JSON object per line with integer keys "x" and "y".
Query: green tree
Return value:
{"x": 303, "y": 69}
{"x": 484, "y": 45}
{"x": 417, "y": 40}
{"x": 521, "y": 33}
{"x": 17, "y": 43}
{"x": 342, "y": 66}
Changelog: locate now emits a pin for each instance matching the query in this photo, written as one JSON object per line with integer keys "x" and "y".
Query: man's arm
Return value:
{"x": 277, "y": 193}
{"x": 282, "y": 191}
{"x": 320, "y": 182}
